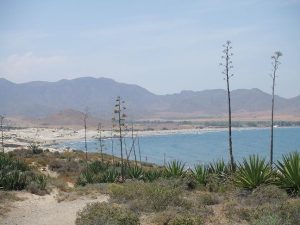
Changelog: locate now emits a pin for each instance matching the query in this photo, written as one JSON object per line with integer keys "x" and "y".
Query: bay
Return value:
{"x": 203, "y": 147}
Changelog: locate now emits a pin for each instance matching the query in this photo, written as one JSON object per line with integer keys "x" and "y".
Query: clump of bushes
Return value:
{"x": 265, "y": 205}
{"x": 147, "y": 196}
{"x": 106, "y": 214}
{"x": 267, "y": 194}
{"x": 98, "y": 172}
{"x": 16, "y": 175}
{"x": 65, "y": 166}
{"x": 177, "y": 216}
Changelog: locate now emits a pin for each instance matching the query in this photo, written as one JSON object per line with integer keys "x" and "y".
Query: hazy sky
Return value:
{"x": 163, "y": 45}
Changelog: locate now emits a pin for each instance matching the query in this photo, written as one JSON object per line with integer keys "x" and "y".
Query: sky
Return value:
{"x": 165, "y": 46}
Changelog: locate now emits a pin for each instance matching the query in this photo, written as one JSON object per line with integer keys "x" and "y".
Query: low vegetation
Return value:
{"x": 106, "y": 214}
{"x": 289, "y": 172}
{"x": 175, "y": 194}
{"x": 253, "y": 172}
{"x": 17, "y": 175}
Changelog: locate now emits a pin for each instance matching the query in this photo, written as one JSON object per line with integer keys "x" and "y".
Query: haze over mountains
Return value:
{"x": 45, "y": 99}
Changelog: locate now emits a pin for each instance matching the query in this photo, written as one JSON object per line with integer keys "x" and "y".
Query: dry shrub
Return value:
{"x": 173, "y": 216}
{"x": 106, "y": 214}
{"x": 267, "y": 194}
{"x": 146, "y": 196}
{"x": 206, "y": 198}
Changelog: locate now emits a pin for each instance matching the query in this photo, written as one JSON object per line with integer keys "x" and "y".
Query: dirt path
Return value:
{"x": 45, "y": 210}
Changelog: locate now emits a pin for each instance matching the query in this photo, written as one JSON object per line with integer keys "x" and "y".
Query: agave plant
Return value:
{"x": 200, "y": 173}
{"x": 9, "y": 163}
{"x": 219, "y": 167}
{"x": 289, "y": 172}
{"x": 135, "y": 172}
{"x": 14, "y": 174}
{"x": 86, "y": 177}
{"x": 253, "y": 172}
{"x": 13, "y": 180}
{"x": 41, "y": 180}
{"x": 97, "y": 167}
{"x": 174, "y": 169}
{"x": 109, "y": 176}
{"x": 152, "y": 175}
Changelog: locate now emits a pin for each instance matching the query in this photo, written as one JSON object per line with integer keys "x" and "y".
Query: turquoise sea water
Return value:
{"x": 204, "y": 147}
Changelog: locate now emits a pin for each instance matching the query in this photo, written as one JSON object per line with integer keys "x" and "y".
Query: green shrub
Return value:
{"x": 106, "y": 214}
{"x": 253, "y": 172}
{"x": 289, "y": 172}
{"x": 174, "y": 169}
{"x": 200, "y": 174}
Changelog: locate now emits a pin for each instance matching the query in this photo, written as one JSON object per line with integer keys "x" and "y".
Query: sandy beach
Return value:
{"x": 46, "y": 138}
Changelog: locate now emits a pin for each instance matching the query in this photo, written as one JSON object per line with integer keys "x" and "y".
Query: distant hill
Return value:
{"x": 65, "y": 97}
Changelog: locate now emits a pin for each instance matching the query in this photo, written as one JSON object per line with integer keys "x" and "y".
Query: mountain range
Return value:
{"x": 39, "y": 99}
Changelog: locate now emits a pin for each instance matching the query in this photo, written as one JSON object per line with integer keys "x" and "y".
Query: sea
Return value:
{"x": 200, "y": 146}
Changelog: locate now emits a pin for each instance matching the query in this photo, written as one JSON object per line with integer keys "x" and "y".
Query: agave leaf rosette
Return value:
{"x": 200, "y": 173}
{"x": 289, "y": 172}
{"x": 174, "y": 169}
{"x": 253, "y": 172}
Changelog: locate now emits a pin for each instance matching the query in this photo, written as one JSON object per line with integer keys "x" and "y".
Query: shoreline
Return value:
{"x": 48, "y": 137}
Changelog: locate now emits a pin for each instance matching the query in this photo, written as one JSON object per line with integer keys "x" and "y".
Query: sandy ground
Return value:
{"x": 43, "y": 136}
{"x": 45, "y": 210}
